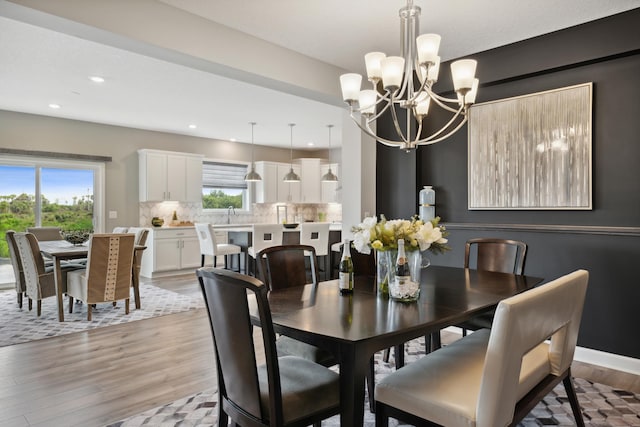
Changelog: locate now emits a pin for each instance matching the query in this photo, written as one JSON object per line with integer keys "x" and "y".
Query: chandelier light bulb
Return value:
{"x": 428, "y": 45}
{"x": 422, "y": 104}
{"x": 350, "y": 84}
{"x": 463, "y": 72}
{"x": 367, "y": 101}
{"x": 392, "y": 72}
{"x": 373, "y": 61}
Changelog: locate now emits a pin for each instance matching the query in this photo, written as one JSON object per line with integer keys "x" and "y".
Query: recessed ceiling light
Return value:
{"x": 233, "y": 140}
{"x": 96, "y": 79}
{"x": 54, "y": 106}
{"x": 192, "y": 126}
{"x": 310, "y": 144}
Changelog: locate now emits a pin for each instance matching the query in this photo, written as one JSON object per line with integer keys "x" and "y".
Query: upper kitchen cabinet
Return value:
{"x": 166, "y": 175}
{"x": 272, "y": 188}
{"x": 267, "y": 189}
{"x": 329, "y": 188}
{"x": 310, "y": 181}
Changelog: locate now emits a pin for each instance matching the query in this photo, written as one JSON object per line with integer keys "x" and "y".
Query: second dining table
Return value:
{"x": 354, "y": 327}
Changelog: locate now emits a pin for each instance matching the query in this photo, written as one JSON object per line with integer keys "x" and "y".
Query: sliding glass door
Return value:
{"x": 47, "y": 192}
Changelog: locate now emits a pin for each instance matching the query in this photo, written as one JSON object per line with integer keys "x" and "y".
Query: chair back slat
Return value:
{"x": 206, "y": 238}
{"x": 522, "y": 323}
{"x": 316, "y": 235}
{"x": 109, "y": 266}
{"x": 285, "y": 266}
{"x": 266, "y": 235}
{"x": 46, "y": 233}
{"x": 501, "y": 255}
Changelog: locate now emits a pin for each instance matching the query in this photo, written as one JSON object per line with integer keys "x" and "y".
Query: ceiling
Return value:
{"x": 39, "y": 66}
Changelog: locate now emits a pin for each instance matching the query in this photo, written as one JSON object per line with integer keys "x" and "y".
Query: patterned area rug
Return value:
{"x": 21, "y": 325}
{"x": 601, "y": 405}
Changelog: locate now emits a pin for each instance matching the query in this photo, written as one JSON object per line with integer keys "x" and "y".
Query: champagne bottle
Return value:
{"x": 346, "y": 270}
{"x": 403, "y": 274}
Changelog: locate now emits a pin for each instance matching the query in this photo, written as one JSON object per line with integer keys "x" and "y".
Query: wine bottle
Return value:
{"x": 346, "y": 270}
{"x": 402, "y": 265}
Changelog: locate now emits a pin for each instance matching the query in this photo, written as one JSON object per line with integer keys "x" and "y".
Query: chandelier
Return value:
{"x": 406, "y": 82}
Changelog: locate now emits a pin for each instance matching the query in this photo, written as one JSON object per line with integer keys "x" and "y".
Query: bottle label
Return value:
{"x": 345, "y": 281}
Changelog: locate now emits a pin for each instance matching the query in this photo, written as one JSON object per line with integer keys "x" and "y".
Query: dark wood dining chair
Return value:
{"x": 285, "y": 390}
{"x": 494, "y": 377}
{"x": 488, "y": 254}
{"x": 286, "y": 266}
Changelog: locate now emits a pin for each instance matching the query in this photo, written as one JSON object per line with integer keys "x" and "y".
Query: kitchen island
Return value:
{"x": 174, "y": 250}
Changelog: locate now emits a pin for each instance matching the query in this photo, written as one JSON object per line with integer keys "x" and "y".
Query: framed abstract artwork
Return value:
{"x": 532, "y": 151}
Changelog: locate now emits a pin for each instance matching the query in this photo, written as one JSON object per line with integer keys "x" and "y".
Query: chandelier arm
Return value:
{"x": 394, "y": 116}
{"x": 439, "y": 100}
{"x": 373, "y": 118}
{"x": 424, "y": 86}
{"x": 446, "y": 126}
{"x": 372, "y": 134}
{"x": 442, "y": 138}
{"x": 445, "y": 99}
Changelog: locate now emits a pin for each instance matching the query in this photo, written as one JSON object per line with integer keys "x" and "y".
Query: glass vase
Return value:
{"x": 386, "y": 278}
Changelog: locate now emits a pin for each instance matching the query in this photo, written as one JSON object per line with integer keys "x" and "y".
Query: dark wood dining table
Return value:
{"x": 61, "y": 250}
{"x": 356, "y": 326}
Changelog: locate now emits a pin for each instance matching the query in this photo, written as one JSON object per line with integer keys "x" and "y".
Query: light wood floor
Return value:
{"x": 99, "y": 377}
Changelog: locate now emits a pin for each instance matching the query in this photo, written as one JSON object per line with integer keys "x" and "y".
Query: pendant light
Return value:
{"x": 252, "y": 175}
{"x": 291, "y": 176}
{"x": 329, "y": 176}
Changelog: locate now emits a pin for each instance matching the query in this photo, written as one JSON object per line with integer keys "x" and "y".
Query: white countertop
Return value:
{"x": 334, "y": 226}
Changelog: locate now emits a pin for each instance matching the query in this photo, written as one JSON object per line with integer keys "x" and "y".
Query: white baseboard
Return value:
{"x": 608, "y": 360}
{"x": 594, "y": 357}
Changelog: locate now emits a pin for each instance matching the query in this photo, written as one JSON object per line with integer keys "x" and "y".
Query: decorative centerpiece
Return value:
{"x": 382, "y": 236}
{"x": 76, "y": 237}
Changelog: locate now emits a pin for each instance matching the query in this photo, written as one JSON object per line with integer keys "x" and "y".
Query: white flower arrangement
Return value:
{"x": 383, "y": 235}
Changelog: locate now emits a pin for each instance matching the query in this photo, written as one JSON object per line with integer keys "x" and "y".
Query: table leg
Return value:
{"x": 353, "y": 370}
{"x": 59, "y": 286}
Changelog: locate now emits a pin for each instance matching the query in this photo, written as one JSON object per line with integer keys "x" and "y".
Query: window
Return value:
{"x": 223, "y": 185}
{"x": 48, "y": 192}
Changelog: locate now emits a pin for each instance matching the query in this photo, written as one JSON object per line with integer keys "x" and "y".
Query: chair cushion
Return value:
{"x": 76, "y": 284}
{"x": 227, "y": 249}
{"x": 307, "y": 388}
{"x": 443, "y": 386}
{"x": 287, "y": 346}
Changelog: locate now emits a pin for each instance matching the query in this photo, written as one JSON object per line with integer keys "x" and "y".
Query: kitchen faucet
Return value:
{"x": 229, "y": 210}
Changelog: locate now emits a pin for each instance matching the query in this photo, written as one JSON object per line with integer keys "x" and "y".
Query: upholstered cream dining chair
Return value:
{"x": 494, "y": 378}
{"x": 262, "y": 236}
{"x": 16, "y": 263}
{"x": 46, "y": 233}
{"x": 40, "y": 280}
{"x": 316, "y": 234}
{"x": 140, "y": 240}
{"x": 108, "y": 275}
{"x": 210, "y": 247}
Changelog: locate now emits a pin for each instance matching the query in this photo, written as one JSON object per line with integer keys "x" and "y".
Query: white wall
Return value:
{"x": 40, "y": 133}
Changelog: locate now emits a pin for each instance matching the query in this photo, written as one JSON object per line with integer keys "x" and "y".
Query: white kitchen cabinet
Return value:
{"x": 329, "y": 193}
{"x": 170, "y": 249}
{"x": 165, "y": 175}
{"x": 310, "y": 181}
{"x": 267, "y": 189}
{"x": 287, "y": 191}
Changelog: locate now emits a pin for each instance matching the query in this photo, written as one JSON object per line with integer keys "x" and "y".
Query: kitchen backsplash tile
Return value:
{"x": 261, "y": 213}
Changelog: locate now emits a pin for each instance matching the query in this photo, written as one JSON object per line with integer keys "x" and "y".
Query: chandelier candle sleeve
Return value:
{"x": 419, "y": 58}
{"x": 346, "y": 270}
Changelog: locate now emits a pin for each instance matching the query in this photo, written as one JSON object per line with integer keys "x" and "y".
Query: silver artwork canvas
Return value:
{"x": 532, "y": 151}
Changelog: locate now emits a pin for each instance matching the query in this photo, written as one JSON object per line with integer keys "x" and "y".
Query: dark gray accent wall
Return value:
{"x": 607, "y": 53}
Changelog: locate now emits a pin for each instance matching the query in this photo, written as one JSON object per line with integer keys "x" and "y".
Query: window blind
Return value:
{"x": 223, "y": 175}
